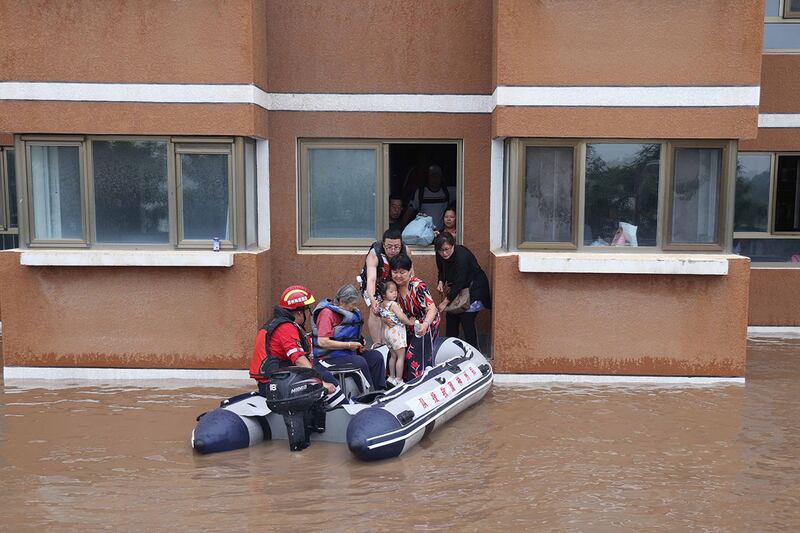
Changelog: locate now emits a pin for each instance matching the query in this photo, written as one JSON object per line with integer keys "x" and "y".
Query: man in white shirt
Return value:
{"x": 433, "y": 198}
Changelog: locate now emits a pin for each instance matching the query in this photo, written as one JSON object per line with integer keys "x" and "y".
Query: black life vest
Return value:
{"x": 271, "y": 363}
{"x": 382, "y": 270}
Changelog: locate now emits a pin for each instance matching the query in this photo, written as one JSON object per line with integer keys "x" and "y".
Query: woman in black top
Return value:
{"x": 458, "y": 269}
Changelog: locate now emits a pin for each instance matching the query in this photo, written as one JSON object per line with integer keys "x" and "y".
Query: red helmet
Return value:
{"x": 296, "y": 297}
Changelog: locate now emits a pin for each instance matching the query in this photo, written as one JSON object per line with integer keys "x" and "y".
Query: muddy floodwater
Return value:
{"x": 562, "y": 457}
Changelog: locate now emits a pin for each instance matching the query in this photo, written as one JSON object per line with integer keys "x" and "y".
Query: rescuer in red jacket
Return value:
{"x": 283, "y": 342}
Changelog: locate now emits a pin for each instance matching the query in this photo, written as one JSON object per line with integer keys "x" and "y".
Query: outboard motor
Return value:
{"x": 297, "y": 393}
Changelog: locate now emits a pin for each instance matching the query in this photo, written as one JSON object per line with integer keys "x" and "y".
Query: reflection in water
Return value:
{"x": 560, "y": 457}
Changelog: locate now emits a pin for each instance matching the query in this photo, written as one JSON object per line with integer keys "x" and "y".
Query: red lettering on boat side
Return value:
{"x": 434, "y": 397}
{"x": 443, "y": 391}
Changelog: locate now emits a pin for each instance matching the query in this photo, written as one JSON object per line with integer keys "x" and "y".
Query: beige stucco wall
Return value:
{"x": 620, "y": 324}
{"x": 150, "y": 317}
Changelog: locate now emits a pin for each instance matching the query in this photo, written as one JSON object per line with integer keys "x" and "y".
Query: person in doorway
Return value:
{"x": 337, "y": 337}
{"x": 376, "y": 270}
{"x": 416, "y": 302}
{"x": 283, "y": 342}
{"x": 396, "y": 212}
{"x": 433, "y": 198}
{"x": 458, "y": 270}
{"x": 449, "y": 221}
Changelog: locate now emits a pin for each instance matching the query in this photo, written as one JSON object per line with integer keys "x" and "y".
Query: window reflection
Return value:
{"x": 621, "y": 194}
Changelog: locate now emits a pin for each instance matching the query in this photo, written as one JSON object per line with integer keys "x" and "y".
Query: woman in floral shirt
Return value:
{"x": 417, "y": 303}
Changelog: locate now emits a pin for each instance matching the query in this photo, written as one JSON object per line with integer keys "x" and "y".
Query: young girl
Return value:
{"x": 395, "y": 335}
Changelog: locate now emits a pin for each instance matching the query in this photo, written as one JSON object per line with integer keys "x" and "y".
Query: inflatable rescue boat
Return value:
{"x": 375, "y": 426}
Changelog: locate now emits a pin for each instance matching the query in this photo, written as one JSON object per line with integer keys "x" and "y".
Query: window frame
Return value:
{"x": 205, "y": 148}
{"x": 5, "y": 201}
{"x": 231, "y": 146}
{"x": 770, "y": 234}
{"x": 382, "y": 190}
{"x": 91, "y": 191}
{"x": 774, "y": 196}
{"x": 304, "y": 189}
{"x": 578, "y": 169}
{"x": 516, "y": 181}
{"x": 723, "y": 192}
{"x": 788, "y": 12}
{"x": 33, "y": 242}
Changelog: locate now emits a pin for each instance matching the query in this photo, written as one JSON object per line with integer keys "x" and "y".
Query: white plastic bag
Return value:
{"x": 419, "y": 231}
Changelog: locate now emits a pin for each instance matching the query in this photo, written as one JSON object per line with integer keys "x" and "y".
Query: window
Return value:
{"x": 351, "y": 191}
{"x": 752, "y": 192}
{"x": 56, "y": 195}
{"x": 787, "y": 194}
{"x": 131, "y": 187}
{"x": 781, "y": 32}
{"x": 622, "y": 187}
{"x": 548, "y": 200}
{"x": 205, "y": 191}
{"x": 767, "y": 215}
{"x": 9, "y": 232}
{"x": 142, "y": 192}
{"x": 695, "y": 196}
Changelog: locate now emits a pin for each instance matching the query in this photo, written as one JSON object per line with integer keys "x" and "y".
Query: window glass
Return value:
{"x": 791, "y": 8}
{"x": 549, "y": 172}
{"x": 11, "y": 174}
{"x": 772, "y": 8}
{"x": 130, "y": 191}
{"x": 695, "y": 195}
{"x": 752, "y": 192}
{"x": 4, "y": 196}
{"x": 621, "y": 203}
{"x": 205, "y": 196}
{"x": 769, "y": 250}
{"x": 56, "y": 192}
{"x": 781, "y": 36}
{"x": 342, "y": 193}
{"x": 251, "y": 194}
{"x": 787, "y": 194}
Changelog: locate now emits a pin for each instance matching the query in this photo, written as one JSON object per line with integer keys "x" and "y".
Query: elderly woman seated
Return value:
{"x": 336, "y": 326}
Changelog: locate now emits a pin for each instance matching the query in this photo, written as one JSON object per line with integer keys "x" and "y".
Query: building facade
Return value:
{"x": 595, "y": 153}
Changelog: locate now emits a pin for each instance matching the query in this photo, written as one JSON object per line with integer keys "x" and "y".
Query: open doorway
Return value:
{"x": 424, "y": 179}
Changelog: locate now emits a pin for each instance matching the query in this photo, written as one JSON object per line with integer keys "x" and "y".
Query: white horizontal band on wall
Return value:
{"x": 550, "y": 379}
{"x": 778, "y": 120}
{"x": 627, "y": 96}
{"x": 399, "y": 103}
{"x": 115, "y": 258}
{"x": 90, "y": 374}
{"x": 198, "y": 376}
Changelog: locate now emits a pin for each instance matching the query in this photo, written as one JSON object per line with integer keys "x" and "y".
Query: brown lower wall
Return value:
{"x": 774, "y": 297}
{"x": 619, "y": 324}
{"x": 135, "y": 317}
